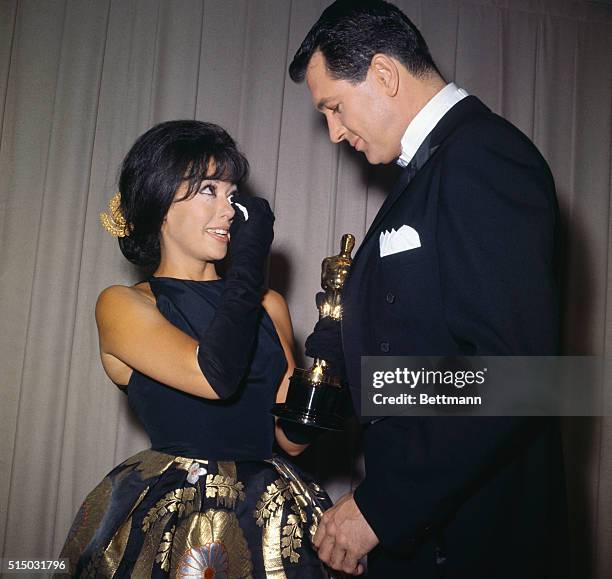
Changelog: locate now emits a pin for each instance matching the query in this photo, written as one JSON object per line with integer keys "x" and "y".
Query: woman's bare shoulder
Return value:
{"x": 119, "y": 299}
{"x": 275, "y": 304}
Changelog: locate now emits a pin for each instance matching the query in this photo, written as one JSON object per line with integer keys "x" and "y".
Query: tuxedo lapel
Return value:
{"x": 445, "y": 127}
{"x": 419, "y": 159}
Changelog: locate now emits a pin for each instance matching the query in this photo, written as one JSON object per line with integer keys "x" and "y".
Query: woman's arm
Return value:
{"x": 134, "y": 333}
{"x": 278, "y": 311}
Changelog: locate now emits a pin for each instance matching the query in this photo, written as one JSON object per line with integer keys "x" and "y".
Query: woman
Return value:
{"x": 202, "y": 363}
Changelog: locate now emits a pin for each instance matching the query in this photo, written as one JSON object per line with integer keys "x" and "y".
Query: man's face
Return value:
{"x": 358, "y": 113}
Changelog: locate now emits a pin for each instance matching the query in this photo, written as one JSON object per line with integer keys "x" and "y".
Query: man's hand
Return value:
{"x": 344, "y": 537}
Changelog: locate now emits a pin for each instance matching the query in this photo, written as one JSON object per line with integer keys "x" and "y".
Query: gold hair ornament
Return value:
{"x": 114, "y": 222}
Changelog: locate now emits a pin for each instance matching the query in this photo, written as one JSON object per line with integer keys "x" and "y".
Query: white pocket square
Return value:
{"x": 403, "y": 239}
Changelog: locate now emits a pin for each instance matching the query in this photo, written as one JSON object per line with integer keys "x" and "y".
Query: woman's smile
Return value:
{"x": 219, "y": 233}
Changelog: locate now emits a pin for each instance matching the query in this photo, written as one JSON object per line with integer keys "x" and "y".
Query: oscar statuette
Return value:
{"x": 316, "y": 398}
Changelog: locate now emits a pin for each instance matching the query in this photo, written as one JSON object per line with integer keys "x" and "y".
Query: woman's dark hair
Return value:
{"x": 350, "y": 32}
{"x": 154, "y": 168}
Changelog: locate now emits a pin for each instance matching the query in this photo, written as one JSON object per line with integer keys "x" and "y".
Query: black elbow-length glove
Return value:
{"x": 325, "y": 342}
{"x": 226, "y": 347}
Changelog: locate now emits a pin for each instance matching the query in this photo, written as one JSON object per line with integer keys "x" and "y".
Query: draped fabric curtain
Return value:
{"x": 81, "y": 79}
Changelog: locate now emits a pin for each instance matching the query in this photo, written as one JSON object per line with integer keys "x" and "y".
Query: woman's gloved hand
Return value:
{"x": 225, "y": 349}
{"x": 251, "y": 235}
{"x": 326, "y": 342}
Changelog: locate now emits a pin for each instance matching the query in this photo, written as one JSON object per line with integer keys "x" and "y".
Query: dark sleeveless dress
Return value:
{"x": 209, "y": 499}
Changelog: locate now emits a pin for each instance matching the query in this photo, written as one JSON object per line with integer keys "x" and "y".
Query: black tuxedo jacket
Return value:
{"x": 453, "y": 496}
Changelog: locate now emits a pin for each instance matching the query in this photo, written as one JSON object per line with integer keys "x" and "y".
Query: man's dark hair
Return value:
{"x": 350, "y": 32}
{"x": 160, "y": 160}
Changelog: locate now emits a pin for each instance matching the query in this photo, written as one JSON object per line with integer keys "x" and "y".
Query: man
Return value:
{"x": 453, "y": 497}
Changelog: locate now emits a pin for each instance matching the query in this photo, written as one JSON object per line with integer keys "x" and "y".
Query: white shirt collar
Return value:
{"x": 426, "y": 119}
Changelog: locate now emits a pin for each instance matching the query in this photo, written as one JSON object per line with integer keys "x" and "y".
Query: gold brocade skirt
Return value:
{"x": 159, "y": 515}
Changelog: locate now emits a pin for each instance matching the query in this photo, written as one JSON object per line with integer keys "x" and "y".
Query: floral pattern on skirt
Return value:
{"x": 160, "y": 515}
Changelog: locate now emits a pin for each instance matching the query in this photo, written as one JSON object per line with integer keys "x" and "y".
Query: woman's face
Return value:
{"x": 198, "y": 227}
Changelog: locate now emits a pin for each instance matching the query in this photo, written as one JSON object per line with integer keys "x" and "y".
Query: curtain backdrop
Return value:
{"x": 81, "y": 79}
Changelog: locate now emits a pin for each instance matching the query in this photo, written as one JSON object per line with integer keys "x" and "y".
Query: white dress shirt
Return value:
{"x": 426, "y": 119}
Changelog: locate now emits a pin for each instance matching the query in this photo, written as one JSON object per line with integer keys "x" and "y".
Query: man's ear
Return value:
{"x": 385, "y": 71}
